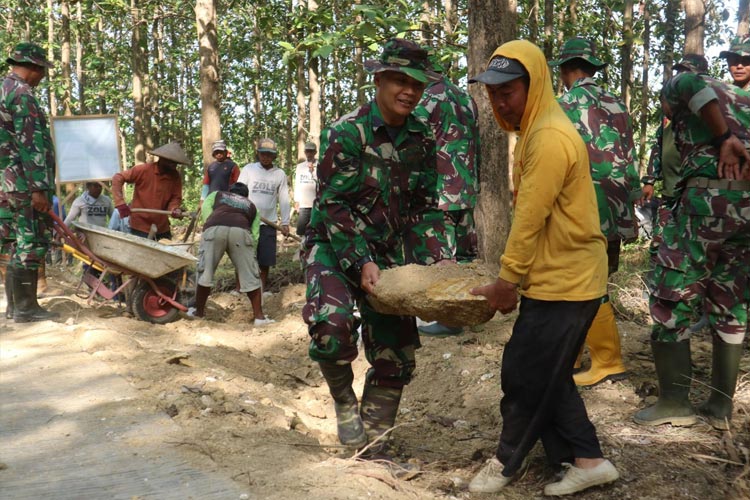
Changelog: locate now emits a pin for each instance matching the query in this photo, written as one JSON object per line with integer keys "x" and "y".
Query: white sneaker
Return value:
{"x": 576, "y": 479}
{"x": 490, "y": 479}
{"x": 264, "y": 321}
{"x": 191, "y": 312}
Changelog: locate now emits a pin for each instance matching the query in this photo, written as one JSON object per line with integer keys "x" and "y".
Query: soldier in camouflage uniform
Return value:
{"x": 605, "y": 126}
{"x": 452, "y": 114}
{"x": 738, "y": 61}
{"x": 27, "y": 167}
{"x": 664, "y": 163}
{"x": 703, "y": 259}
{"x": 376, "y": 208}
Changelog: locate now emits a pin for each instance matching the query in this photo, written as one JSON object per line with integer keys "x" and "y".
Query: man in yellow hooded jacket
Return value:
{"x": 555, "y": 257}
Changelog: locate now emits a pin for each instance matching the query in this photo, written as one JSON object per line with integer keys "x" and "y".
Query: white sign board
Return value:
{"x": 86, "y": 147}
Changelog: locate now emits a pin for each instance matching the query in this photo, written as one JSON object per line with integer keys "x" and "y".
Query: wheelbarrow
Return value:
{"x": 148, "y": 271}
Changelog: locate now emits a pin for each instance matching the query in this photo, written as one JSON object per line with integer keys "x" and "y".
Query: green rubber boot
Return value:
{"x": 379, "y": 409}
{"x": 348, "y": 422}
{"x": 673, "y": 369}
{"x": 724, "y": 370}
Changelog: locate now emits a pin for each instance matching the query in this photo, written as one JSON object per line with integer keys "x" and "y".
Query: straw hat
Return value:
{"x": 172, "y": 151}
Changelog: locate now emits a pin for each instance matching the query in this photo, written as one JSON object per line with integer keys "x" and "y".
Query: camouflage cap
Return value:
{"x": 267, "y": 145}
{"x": 579, "y": 48}
{"x": 740, "y": 46}
{"x": 694, "y": 63}
{"x": 404, "y": 57}
{"x": 310, "y": 146}
{"x": 172, "y": 151}
{"x": 29, "y": 53}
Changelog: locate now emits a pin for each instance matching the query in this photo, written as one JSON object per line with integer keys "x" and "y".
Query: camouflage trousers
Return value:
{"x": 32, "y": 229}
{"x": 662, "y": 216}
{"x": 703, "y": 262}
{"x": 7, "y": 235}
{"x": 461, "y": 233}
{"x": 389, "y": 341}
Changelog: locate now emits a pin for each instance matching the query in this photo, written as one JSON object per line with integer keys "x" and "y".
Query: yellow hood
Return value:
{"x": 540, "y": 89}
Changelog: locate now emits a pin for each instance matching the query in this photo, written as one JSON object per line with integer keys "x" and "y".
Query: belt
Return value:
{"x": 727, "y": 184}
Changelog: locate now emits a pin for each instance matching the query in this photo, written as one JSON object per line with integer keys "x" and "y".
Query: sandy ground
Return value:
{"x": 249, "y": 402}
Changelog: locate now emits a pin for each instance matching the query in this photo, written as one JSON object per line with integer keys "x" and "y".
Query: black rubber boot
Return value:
{"x": 725, "y": 366}
{"x": 348, "y": 422}
{"x": 9, "y": 293}
{"x": 379, "y": 409}
{"x": 27, "y": 309}
{"x": 673, "y": 369}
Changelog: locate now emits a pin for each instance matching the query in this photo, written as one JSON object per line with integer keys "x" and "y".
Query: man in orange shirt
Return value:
{"x": 157, "y": 186}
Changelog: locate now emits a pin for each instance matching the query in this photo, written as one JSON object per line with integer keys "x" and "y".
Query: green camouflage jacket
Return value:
{"x": 376, "y": 196}
{"x": 686, "y": 94}
{"x": 605, "y": 126}
{"x": 27, "y": 155}
{"x": 452, "y": 114}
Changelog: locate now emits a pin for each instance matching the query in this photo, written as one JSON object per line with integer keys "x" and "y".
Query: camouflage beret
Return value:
{"x": 694, "y": 63}
{"x": 740, "y": 46}
{"x": 405, "y": 57}
{"x": 578, "y": 48}
{"x": 29, "y": 53}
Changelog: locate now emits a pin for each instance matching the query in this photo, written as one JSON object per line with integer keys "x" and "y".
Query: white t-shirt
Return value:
{"x": 90, "y": 210}
{"x": 268, "y": 188}
{"x": 305, "y": 183}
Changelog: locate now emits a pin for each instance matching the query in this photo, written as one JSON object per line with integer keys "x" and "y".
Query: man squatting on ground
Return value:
{"x": 27, "y": 178}
{"x": 605, "y": 126}
{"x": 703, "y": 262}
{"x": 556, "y": 258}
{"x": 376, "y": 208}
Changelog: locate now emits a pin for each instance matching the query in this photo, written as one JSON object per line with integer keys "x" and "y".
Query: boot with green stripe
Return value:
{"x": 348, "y": 422}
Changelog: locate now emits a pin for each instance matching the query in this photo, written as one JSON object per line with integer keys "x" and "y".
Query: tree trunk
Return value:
{"x": 644, "y": 85}
{"x": 670, "y": 34}
{"x": 51, "y": 73}
{"x": 743, "y": 17}
{"x": 491, "y": 23}
{"x": 626, "y": 64}
{"x": 549, "y": 26}
{"x": 139, "y": 59}
{"x": 81, "y": 41}
{"x": 301, "y": 135}
{"x": 67, "y": 81}
{"x": 695, "y": 29}
{"x": 208, "y": 51}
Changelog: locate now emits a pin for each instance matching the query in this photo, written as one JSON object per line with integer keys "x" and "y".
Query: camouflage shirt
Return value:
{"x": 27, "y": 155}
{"x": 452, "y": 114}
{"x": 686, "y": 94}
{"x": 376, "y": 196}
{"x": 605, "y": 126}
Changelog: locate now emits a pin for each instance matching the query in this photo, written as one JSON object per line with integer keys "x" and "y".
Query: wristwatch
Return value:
{"x": 361, "y": 263}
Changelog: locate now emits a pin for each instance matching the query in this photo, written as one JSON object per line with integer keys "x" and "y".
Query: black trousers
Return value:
{"x": 540, "y": 399}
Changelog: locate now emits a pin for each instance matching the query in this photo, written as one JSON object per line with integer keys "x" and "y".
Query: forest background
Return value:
{"x": 199, "y": 70}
